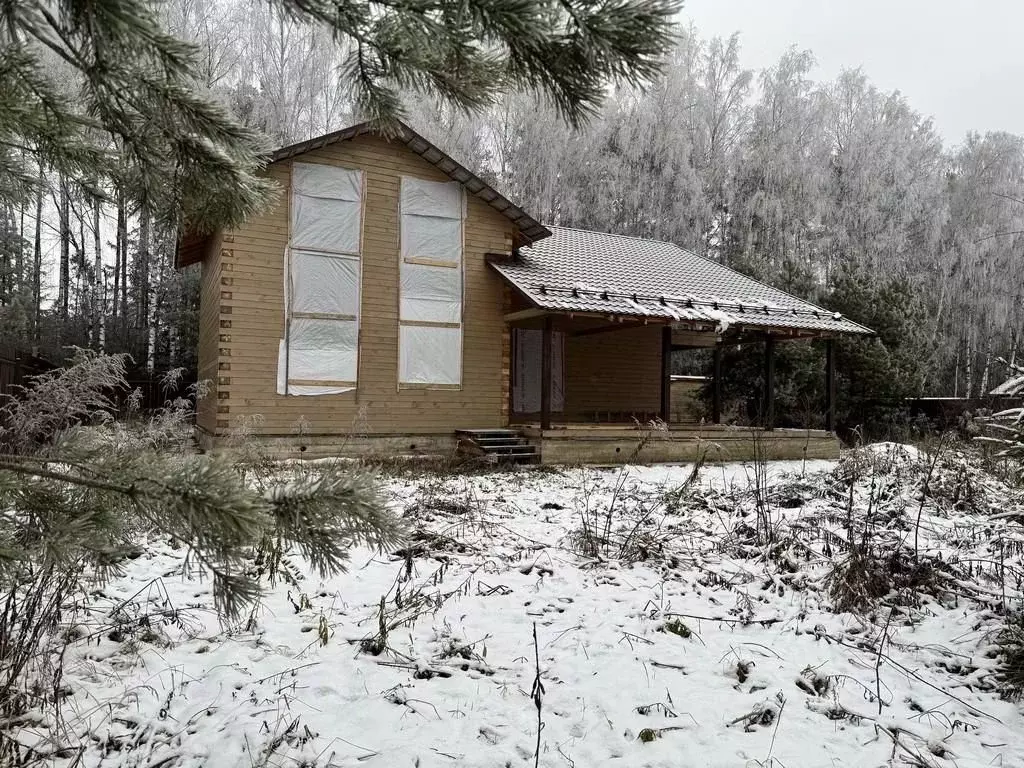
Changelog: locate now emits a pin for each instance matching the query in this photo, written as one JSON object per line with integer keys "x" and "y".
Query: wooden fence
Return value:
{"x": 17, "y": 367}
{"x": 154, "y": 393}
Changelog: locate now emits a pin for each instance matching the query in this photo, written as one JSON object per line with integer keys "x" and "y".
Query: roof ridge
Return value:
{"x": 554, "y": 227}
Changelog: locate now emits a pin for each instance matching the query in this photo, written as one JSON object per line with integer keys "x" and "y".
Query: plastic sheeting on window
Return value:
{"x": 321, "y": 224}
{"x": 431, "y": 293}
{"x": 301, "y": 389}
{"x": 323, "y": 350}
{"x": 431, "y": 198}
{"x": 330, "y": 181}
{"x": 322, "y": 278}
{"x": 430, "y": 228}
{"x": 432, "y": 237}
{"x": 325, "y": 283}
{"x": 326, "y": 208}
{"x": 431, "y": 225}
{"x": 430, "y": 355}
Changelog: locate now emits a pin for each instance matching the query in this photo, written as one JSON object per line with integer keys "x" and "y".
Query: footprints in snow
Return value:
{"x": 540, "y": 609}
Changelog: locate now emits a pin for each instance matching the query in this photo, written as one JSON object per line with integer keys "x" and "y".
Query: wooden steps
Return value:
{"x": 502, "y": 445}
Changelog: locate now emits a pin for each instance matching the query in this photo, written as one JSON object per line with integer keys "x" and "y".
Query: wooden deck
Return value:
{"x": 607, "y": 444}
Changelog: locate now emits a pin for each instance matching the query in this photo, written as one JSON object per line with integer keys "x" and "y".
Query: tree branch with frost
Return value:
{"x": 200, "y": 501}
{"x": 77, "y": 486}
{"x": 102, "y": 90}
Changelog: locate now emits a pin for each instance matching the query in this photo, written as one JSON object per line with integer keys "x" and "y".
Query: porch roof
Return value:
{"x": 576, "y": 270}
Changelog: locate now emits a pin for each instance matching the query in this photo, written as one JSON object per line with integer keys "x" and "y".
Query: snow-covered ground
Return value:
{"x": 682, "y": 641}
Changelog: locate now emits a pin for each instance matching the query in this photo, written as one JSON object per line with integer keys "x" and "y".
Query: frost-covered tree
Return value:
{"x": 101, "y": 90}
{"x": 15, "y": 281}
{"x": 885, "y": 176}
{"x": 980, "y": 272}
{"x": 778, "y": 195}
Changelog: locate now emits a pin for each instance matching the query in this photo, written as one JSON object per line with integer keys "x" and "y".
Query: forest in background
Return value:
{"x": 835, "y": 191}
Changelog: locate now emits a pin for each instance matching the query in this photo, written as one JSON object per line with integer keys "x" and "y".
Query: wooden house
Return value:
{"x": 391, "y": 301}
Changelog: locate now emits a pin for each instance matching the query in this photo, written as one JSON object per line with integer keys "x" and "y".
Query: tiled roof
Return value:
{"x": 579, "y": 271}
{"x": 1012, "y": 386}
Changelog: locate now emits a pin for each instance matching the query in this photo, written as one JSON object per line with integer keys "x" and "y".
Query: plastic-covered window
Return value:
{"x": 430, "y": 286}
{"x": 320, "y": 352}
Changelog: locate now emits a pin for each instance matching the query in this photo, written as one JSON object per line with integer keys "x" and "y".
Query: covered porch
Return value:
{"x": 607, "y": 444}
{"x": 599, "y": 390}
{"x": 593, "y": 321}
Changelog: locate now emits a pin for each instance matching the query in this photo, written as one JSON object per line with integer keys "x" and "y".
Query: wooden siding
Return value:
{"x": 254, "y": 302}
{"x": 684, "y": 338}
{"x": 617, "y": 371}
{"x": 210, "y": 328}
{"x": 506, "y": 358}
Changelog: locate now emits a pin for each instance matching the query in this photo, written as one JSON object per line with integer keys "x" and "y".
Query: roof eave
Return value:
{"x": 531, "y": 229}
{"x": 191, "y": 249}
{"x": 551, "y": 305}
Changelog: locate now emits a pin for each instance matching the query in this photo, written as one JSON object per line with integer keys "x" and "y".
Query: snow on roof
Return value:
{"x": 1012, "y": 386}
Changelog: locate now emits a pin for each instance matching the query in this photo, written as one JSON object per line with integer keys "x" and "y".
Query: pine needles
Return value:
{"x": 79, "y": 491}
{"x": 103, "y": 95}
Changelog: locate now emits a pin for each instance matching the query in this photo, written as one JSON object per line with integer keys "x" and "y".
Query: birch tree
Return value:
{"x": 780, "y": 179}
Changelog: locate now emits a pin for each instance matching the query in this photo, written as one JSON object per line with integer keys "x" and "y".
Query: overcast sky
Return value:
{"x": 961, "y": 62}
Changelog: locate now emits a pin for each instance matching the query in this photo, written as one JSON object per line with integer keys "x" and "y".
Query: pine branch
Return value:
{"x": 102, "y": 94}
{"x": 64, "y": 477}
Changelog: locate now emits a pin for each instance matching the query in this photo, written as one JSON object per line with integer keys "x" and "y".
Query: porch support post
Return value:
{"x": 830, "y": 385}
{"x": 666, "y": 374}
{"x": 716, "y": 385}
{"x": 769, "y": 383}
{"x": 545, "y": 375}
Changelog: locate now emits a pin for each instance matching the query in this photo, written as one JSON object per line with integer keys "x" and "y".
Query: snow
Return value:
{"x": 766, "y": 674}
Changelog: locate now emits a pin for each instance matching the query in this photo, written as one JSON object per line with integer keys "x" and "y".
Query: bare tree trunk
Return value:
{"x": 64, "y": 278}
{"x": 19, "y": 256}
{"x": 5, "y": 256}
{"x": 143, "y": 257}
{"x": 173, "y": 351}
{"x": 119, "y": 237}
{"x": 956, "y": 373}
{"x": 97, "y": 278}
{"x": 969, "y": 368}
{"x": 151, "y": 339}
{"x": 37, "y": 265}
{"x": 82, "y": 302}
{"x": 122, "y": 236}
{"x": 983, "y": 389}
{"x": 157, "y": 278}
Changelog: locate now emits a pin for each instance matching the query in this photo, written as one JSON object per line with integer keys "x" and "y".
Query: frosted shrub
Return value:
{"x": 1011, "y": 658}
{"x": 57, "y": 401}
